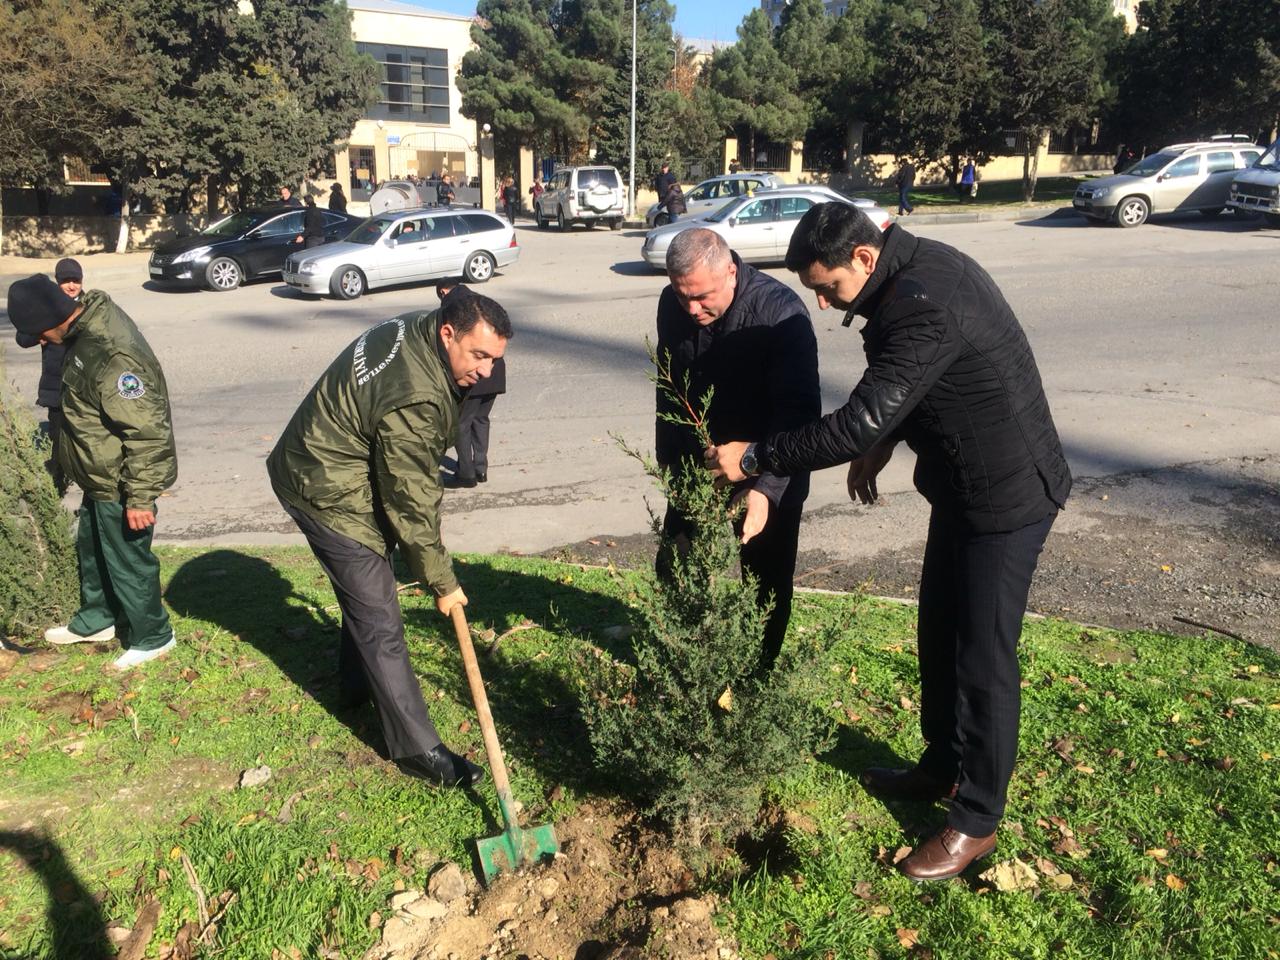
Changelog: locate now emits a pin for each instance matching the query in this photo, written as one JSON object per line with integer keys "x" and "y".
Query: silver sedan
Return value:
{"x": 404, "y": 247}
{"x": 758, "y": 228}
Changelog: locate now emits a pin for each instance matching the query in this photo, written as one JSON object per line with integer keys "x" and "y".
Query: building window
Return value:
{"x": 415, "y": 83}
{"x": 364, "y": 167}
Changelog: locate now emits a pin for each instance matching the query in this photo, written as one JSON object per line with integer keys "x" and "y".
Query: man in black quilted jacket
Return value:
{"x": 747, "y": 338}
{"x": 950, "y": 373}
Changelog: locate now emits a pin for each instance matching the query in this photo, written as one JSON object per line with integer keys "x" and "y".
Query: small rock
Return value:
{"x": 505, "y": 910}
{"x": 396, "y": 933}
{"x": 401, "y": 900}
{"x": 552, "y": 917}
{"x": 255, "y": 777}
{"x": 547, "y": 887}
{"x": 692, "y": 910}
{"x": 661, "y": 912}
{"x": 118, "y": 935}
{"x": 725, "y": 953}
{"x": 426, "y": 908}
{"x": 508, "y": 927}
{"x": 447, "y": 884}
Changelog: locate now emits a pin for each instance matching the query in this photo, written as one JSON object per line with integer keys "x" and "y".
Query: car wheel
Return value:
{"x": 1132, "y": 212}
{"x": 615, "y": 223}
{"x": 661, "y": 220}
{"x": 479, "y": 267}
{"x": 347, "y": 282}
{"x": 539, "y": 218}
{"x": 1211, "y": 212}
{"x": 1273, "y": 219}
{"x": 223, "y": 274}
{"x": 561, "y": 222}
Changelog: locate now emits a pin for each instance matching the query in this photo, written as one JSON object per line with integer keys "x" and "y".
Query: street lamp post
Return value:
{"x": 631, "y": 192}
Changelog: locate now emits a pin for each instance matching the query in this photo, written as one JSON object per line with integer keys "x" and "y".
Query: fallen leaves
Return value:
{"x": 725, "y": 700}
{"x": 1174, "y": 883}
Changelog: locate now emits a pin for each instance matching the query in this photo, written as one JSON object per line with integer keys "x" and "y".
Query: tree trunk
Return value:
{"x": 752, "y": 148}
{"x": 1030, "y": 162}
{"x": 853, "y": 144}
{"x": 122, "y": 239}
{"x": 1, "y": 221}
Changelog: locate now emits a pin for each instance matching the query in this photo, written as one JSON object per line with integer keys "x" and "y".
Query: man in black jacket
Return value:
{"x": 748, "y": 338}
{"x": 950, "y": 372}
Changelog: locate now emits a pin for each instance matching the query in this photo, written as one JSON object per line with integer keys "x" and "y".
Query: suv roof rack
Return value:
{"x": 1232, "y": 137}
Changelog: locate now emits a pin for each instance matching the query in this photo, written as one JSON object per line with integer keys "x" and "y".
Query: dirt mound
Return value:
{"x": 616, "y": 891}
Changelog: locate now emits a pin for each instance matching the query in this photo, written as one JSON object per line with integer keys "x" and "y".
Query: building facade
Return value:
{"x": 416, "y": 127}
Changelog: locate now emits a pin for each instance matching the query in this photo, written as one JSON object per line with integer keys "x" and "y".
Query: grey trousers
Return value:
{"x": 373, "y": 658}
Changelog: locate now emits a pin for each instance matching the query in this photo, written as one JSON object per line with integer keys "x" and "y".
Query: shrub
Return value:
{"x": 39, "y": 582}
{"x": 691, "y": 726}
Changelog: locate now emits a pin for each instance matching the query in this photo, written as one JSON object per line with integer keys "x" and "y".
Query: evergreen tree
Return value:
{"x": 806, "y": 41}
{"x": 758, "y": 88}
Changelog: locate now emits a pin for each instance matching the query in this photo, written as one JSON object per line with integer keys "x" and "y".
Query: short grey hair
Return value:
{"x": 699, "y": 247}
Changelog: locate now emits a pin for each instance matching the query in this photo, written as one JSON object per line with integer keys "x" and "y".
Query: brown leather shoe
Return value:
{"x": 946, "y": 854}
{"x": 908, "y": 783}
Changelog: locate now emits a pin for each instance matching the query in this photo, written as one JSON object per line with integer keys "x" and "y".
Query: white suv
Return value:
{"x": 582, "y": 195}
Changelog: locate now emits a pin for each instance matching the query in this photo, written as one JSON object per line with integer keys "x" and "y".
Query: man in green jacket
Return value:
{"x": 117, "y": 445}
{"x": 358, "y": 470}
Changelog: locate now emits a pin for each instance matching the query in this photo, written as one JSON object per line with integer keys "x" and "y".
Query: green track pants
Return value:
{"x": 119, "y": 579}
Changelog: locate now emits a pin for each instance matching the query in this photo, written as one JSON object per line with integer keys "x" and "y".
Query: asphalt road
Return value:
{"x": 1157, "y": 347}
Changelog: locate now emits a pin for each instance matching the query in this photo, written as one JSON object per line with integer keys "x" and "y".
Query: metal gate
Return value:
{"x": 427, "y": 154}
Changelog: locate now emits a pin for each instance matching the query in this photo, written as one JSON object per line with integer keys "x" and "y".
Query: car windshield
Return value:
{"x": 1271, "y": 159}
{"x": 233, "y": 226}
{"x": 370, "y": 231}
{"x": 1149, "y": 166}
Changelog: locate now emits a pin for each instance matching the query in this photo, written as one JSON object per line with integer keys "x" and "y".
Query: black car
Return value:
{"x": 243, "y": 246}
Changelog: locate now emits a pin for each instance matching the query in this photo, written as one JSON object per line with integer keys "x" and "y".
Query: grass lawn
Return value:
{"x": 1144, "y": 805}
{"x": 940, "y": 198}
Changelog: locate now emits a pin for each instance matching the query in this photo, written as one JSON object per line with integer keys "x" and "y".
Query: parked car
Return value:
{"x": 1257, "y": 189}
{"x": 405, "y": 247}
{"x": 1178, "y": 179}
{"x": 587, "y": 195}
{"x": 758, "y": 228}
{"x": 710, "y": 195}
{"x": 243, "y": 246}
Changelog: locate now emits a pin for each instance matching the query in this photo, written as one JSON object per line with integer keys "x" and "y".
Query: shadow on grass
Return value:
{"x": 76, "y": 927}
{"x": 249, "y": 598}
{"x": 853, "y": 752}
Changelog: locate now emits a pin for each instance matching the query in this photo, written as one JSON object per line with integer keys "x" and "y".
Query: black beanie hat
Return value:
{"x": 68, "y": 269}
{"x": 37, "y": 304}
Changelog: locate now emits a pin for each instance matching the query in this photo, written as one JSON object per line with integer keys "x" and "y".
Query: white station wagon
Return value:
{"x": 406, "y": 246}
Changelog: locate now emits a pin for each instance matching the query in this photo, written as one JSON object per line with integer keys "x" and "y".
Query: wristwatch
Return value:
{"x": 749, "y": 464}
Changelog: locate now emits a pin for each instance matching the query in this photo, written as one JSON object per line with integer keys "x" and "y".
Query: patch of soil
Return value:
{"x": 616, "y": 891}
{"x": 1150, "y": 550}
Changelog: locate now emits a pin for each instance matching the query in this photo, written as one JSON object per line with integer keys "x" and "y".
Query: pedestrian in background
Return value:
{"x": 906, "y": 179}
{"x": 117, "y": 445}
{"x": 674, "y": 201}
{"x": 312, "y": 225}
{"x": 510, "y": 198}
{"x": 70, "y": 277}
{"x": 444, "y": 192}
{"x": 662, "y": 184}
{"x": 968, "y": 181}
{"x": 473, "y": 417}
{"x": 288, "y": 199}
{"x": 337, "y": 199}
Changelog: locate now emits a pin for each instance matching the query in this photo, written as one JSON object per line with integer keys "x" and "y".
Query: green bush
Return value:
{"x": 39, "y": 582}
{"x": 691, "y": 726}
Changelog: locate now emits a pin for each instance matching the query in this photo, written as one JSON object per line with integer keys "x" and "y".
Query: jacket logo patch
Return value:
{"x": 130, "y": 386}
{"x": 360, "y": 362}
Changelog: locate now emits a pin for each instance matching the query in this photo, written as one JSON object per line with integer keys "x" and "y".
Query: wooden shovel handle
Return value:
{"x": 497, "y": 765}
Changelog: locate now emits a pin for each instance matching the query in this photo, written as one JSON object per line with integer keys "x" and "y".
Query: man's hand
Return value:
{"x": 139, "y": 519}
{"x": 446, "y": 603}
{"x": 864, "y": 470}
{"x": 757, "y": 514}
{"x": 725, "y": 461}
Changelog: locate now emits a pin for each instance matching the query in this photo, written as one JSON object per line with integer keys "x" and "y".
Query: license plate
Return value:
{"x": 156, "y": 271}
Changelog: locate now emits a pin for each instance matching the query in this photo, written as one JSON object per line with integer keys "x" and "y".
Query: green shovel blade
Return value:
{"x": 515, "y": 847}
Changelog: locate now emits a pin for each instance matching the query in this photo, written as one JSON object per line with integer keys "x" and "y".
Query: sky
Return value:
{"x": 700, "y": 19}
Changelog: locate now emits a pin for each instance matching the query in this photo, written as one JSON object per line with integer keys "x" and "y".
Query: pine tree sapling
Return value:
{"x": 691, "y": 726}
{"x": 39, "y": 582}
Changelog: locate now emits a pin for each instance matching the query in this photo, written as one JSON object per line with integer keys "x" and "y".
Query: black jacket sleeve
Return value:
{"x": 667, "y": 441}
{"x": 920, "y": 343}
{"x": 796, "y": 399}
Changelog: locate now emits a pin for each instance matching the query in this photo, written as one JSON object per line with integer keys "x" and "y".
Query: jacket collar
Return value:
{"x": 898, "y": 249}
{"x": 431, "y": 327}
{"x": 93, "y": 319}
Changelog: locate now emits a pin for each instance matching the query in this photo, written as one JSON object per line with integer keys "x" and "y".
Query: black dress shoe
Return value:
{"x": 481, "y": 477}
{"x": 442, "y": 767}
{"x": 910, "y": 783}
{"x": 457, "y": 481}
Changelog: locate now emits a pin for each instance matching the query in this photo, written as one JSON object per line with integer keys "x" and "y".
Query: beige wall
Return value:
{"x": 879, "y": 169}
{"x": 74, "y": 236}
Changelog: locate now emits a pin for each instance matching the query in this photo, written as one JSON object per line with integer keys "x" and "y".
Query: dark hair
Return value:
{"x": 309, "y": 200}
{"x": 462, "y": 309}
{"x": 828, "y": 233}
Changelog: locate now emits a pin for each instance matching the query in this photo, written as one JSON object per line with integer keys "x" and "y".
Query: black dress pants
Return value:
{"x": 973, "y": 594}
{"x": 473, "y": 436}
{"x": 770, "y": 557}
{"x": 373, "y": 659}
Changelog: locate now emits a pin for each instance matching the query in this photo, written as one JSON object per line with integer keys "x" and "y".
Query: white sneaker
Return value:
{"x": 63, "y": 636}
{"x": 131, "y": 658}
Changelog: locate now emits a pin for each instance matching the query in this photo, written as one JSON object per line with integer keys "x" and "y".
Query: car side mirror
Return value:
{"x": 393, "y": 242}
{"x": 733, "y": 221}
{"x": 1161, "y": 178}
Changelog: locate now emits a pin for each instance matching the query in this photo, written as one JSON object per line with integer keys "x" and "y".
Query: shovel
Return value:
{"x": 515, "y": 846}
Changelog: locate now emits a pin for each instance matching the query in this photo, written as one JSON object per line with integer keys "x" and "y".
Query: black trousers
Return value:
{"x": 473, "y": 436}
{"x": 510, "y": 209}
{"x": 770, "y": 557}
{"x": 973, "y": 594}
{"x": 372, "y": 659}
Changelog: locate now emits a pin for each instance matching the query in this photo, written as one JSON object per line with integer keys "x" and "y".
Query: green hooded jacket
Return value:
{"x": 118, "y": 441}
{"x": 361, "y": 455}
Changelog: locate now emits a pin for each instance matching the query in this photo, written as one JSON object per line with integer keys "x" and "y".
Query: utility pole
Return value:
{"x": 631, "y": 192}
